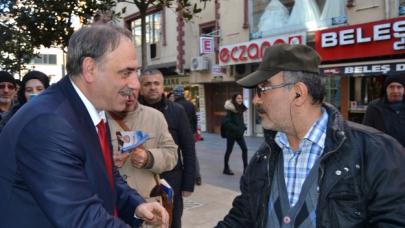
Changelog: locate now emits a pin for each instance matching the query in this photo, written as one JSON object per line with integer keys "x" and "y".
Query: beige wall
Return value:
{"x": 231, "y": 32}
{"x": 232, "y": 16}
{"x": 167, "y": 53}
{"x": 372, "y": 10}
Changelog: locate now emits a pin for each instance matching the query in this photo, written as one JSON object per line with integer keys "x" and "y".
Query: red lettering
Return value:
{"x": 224, "y": 55}
{"x": 207, "y": 45}
{"x": 242, "y": 56}
{"x": 233, "y": 52}
{"x": 279, "y": 41}
{"x": 265, "y": 44}
{"x": 253, "y": 51}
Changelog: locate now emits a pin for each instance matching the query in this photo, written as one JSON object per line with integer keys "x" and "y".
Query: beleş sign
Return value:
{"x": 366, "y": 70}
{"x": 362, "y": 40}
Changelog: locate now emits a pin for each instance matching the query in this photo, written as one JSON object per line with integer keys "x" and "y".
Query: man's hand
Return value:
{"x": 139, "y": 157}
{"x": 186, "y": 194}
{"x": 154, "y": 213}
{"x": 120, "y": 158}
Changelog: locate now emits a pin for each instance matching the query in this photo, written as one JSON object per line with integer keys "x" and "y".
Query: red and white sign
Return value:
{"x": 378, "y": 38}
{"x": 206, "y": 45}
{"x": 253, "y": 51}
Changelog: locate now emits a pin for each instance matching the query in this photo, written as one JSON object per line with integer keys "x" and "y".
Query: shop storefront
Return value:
{"x": 357, "y": 59}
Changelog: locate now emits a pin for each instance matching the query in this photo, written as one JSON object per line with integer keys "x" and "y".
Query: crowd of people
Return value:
{"x": 62, "y": 165}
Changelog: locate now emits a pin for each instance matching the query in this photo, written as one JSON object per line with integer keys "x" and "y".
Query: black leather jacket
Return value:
{"x": 361, "y": 180}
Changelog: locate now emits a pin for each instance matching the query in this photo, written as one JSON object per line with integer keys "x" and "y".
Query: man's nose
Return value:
{"x": 256, "y": 100}
{"x": 134, "y": 81}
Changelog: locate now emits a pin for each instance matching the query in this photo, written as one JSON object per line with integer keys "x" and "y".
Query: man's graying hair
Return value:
{"x": 149, "y": 72}
{"x": 93, "y": 41}
{"x": 314, "y": 83}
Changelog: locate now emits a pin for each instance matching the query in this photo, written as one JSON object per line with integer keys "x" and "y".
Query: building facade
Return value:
{"x": 360, "y": 42}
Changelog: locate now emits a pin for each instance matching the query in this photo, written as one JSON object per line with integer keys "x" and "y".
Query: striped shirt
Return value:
{"x": 298, "y": 164}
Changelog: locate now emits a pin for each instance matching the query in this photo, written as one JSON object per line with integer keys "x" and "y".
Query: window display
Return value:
{"x": 269, "y": 17}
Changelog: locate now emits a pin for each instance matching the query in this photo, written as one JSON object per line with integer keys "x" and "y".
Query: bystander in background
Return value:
{"x": 234, "y": 128}
{"x": 387, "y": 113}
{"x": 7, "y": 92}
{"x": 33, "y": 83}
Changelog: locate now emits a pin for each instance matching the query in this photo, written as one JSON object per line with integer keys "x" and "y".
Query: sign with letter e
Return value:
{"x": 206, "y": 45}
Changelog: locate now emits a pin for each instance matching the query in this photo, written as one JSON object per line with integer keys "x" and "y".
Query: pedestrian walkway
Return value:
{"x": 211, "y": 201}
{"x": 211, "y": 153}
{"x": 208, "y": 205}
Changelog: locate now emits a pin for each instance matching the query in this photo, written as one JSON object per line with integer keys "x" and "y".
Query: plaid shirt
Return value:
{"x": 298, "y": 164}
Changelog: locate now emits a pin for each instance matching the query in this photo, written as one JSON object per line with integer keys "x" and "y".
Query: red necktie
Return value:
{"x": 105, "y": 147}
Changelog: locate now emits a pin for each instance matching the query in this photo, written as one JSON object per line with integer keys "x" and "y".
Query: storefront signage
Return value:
{"x": 379, "y": 38}
{"x": 206, "y": 45}
{"x": 366, "y": 70}
{"x": 252, "y": 51}
{"x": 173, "y": 81}
{"x": 216, "y": 70}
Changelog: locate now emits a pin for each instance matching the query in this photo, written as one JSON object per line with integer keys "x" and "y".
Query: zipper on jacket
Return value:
{"x": 264, "y": 205}
{"x": 328, "y": 154}
{"x": 322, "y": 170}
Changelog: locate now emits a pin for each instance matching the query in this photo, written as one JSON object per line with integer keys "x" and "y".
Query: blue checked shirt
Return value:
{"x": 298, "y": 164}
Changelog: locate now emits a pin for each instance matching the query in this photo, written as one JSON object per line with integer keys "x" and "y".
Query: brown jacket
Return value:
{"x": 160, "y": 145}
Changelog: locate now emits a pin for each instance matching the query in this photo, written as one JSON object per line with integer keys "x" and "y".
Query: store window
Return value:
{"x": 46, "y": 59}
{"x": 269, "y": 17}
{"x": 363, "y": 90}
{"x": 153, "y": 26}
{"x": 401, "y": 8}
{"x": 333, "y": 91}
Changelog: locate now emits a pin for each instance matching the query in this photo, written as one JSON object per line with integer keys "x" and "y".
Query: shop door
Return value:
{"x": 215, "y": 97}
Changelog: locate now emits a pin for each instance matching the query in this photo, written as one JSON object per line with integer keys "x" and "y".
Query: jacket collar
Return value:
{"x": 161, "y": 105}
{"x": 335, "y": 132}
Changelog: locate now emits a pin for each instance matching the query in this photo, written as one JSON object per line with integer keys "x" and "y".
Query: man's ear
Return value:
{"x": 88, "y": 69}
{"x": 300, "y": 93}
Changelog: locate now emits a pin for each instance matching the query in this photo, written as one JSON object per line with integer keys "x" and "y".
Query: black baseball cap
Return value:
{"x": 7, "y": 77}
{"x": 283, "y": 57}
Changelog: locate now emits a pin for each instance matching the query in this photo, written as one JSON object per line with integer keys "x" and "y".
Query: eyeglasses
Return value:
{"x": 261, "y": 90}
{"x": 9, "y": 86}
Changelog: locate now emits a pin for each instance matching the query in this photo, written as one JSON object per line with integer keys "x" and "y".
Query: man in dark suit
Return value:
{"x": 56, "y": 168}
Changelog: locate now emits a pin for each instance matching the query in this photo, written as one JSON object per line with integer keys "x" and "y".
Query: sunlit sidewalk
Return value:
{"x": 207, "y": 206}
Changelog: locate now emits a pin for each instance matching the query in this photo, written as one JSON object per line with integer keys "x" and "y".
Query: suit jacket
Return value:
{"x": 52, "y": 172}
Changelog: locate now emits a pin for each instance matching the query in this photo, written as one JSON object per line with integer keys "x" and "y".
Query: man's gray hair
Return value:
{"x": 314, "y": 83}
{"x": 93, "y": 41}
{"x": 149, "y": 72}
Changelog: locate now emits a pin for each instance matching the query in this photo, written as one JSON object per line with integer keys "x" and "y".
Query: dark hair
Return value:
{"x": 314, "y": 83}
{"x": 149, "y": 72}
{"x": 43, "y": 78}
{"x": 239, "y": 107}
{"x": 93, "y": 41}
{"x": 7, "y": 77}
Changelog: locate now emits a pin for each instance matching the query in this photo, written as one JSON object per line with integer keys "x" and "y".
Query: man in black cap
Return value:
{"x": 315, "y": 169}
{"x": 7, "y": 92}
{"x": 387, "y": 113}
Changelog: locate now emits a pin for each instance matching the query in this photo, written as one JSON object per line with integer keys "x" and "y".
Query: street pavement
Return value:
{"x": 211, "y": 201}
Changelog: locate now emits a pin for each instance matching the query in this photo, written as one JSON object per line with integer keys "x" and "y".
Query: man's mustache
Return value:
{"x": 126, "y": 92}
{"x": 260, "y": 109}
